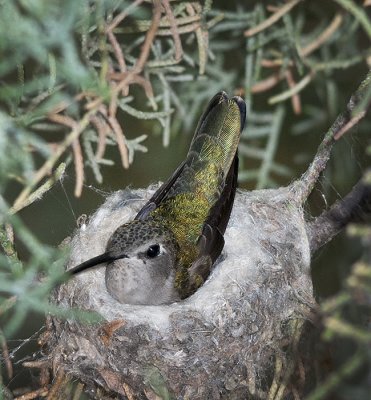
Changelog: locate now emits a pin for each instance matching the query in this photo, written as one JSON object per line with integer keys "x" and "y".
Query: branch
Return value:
{"x": 351, "y": 208}
{"x": 49, "y": 164}
{"x": 272, "y": 19}
{"x": 357, "y": 108}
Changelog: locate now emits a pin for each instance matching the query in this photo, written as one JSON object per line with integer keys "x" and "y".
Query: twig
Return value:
{"x": 358, "y": 13}
{"x": 7, "y": 304}
{"x": 120, "y": 138}
{"x": 117, "y": 50}
{"x": 42, "y": 392}
{"x": 128, "y": 391}
{"x": 44, "y": 366}
{"x": 303, "y": 187}
{"x": 181, "y": 30}
{"x": 272, "y": 19}
{"x": 174, "y": 30}
{"x": 120, "y": 17}
{"x": 62, "y": 120}
{"x": 58, "y": 385}
{"x": 202, "y": 42}
{"x": 139, "y": 65}
{"x": 94, "y": 104}
{"x": 345, "y": 329}
{"x": 350, "y": 124}
{"x": 48, "y": 165}
{"x": 103, "y": 129}
{"x": 323, "y": 37}
{"x": 36, "y": 364}
{"x": 5, "y": 351}
{"x": 299, "y": 324}
{"x": 143, "y": 26}
{"x": 292, "y": 91}
{"x": 309, "y": 48}
{"x": 145, "y": 83}
{"x": 275, "y": 63}
{"x": 295, "y": 98}
{"x": 144, "y": 115}
{"x": 332, "y": 221}
{"x": 79, "y": 167}
{"x": 39, "y": 192}
{"x": 267, "y": 83}
{"x": 276, "y": 379}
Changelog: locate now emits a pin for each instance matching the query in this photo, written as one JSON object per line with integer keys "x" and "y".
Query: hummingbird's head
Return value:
{"x": 143, "y": 271}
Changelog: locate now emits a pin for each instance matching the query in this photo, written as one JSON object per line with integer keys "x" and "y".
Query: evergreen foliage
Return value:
{"x": 71, "y": 71}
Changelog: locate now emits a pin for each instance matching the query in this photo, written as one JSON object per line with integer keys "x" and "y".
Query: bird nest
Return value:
{"x": 234, "y": 338}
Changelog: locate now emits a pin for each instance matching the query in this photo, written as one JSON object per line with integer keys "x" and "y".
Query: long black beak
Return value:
{"x": 93, "y": 262}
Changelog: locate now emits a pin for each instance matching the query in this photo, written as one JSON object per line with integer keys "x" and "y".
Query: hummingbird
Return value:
{"x": 167, "y": 252}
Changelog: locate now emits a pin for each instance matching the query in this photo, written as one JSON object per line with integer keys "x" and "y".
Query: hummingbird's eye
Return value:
{"x": 153, "y": 251}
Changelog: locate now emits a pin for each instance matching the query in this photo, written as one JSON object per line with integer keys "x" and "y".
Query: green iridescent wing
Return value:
{"x": 210, "y": 156}
{"x": 211, "y": 241}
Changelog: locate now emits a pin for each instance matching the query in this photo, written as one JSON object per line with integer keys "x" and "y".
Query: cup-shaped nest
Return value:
{"x": 222, "y": 341}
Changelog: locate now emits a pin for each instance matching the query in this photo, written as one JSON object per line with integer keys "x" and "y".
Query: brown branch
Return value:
{"x": 120, "y": 17}
{"x": 36, "y": 364}
{"x": 202, "y": 41}
{"x": 94, "y": 104}
{"x": 295, "y": 98}
{"x": 174, "y": 30}
{"x": 79, "y": 167}
{"x": 267, "y": 83}
{"x": 351, "y": 208}
{"x": 42, "y": 392}
{"x": 304, "y": 186}
{"x": 309, "y": 48}
{"x": 140, "y": 80}
{"x": 48, "y": 165}
{"x": 103, "y": 129}
{"x": 128, "y": 391}
{"x": 323, "y": 37}
{"x": 76, "y": 148}
{"x": 120, "y": 138}
{"x": 272, "y": 19}
{"x": 181, "y": 30}
{"x": 117, "y": 50}
{"x": 274, "y": 63}
{"x": 295, "y": 89}
{"x": 58, "y": 385}
{"x": 139, "y": 65}
{"x": 352, "y": 122}
{"x": 63, "y": 120}
{"x": 6, "y": 357}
